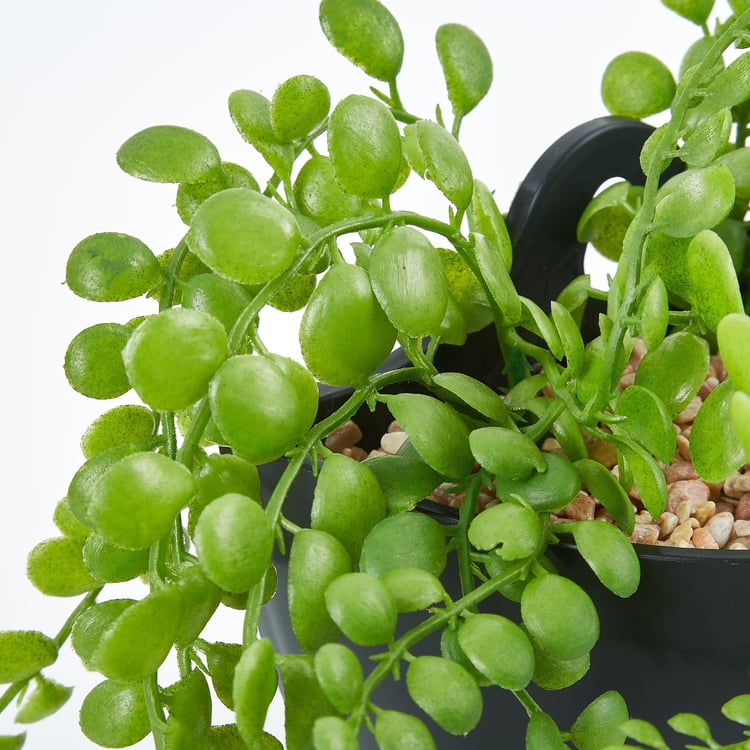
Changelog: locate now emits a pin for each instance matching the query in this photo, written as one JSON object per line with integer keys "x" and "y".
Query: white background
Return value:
{"x": 79, "y": 77}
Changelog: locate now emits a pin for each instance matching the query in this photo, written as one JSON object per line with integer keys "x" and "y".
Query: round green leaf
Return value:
{"x": 446, "y": 692}
{"x": 138, "y": 640}
{"x": 708, "y": 139}
{"x": 334, "y": 733}
{"x": 675, "y": 370}
{"x": 395, "y": 730}
{"x": 696, "y": 11}
{"x": 654, "y": 313}
{"x": 111, "y": 266}
{"x": 91, "y": 624}
{"x": 436, "y": 431}
{"x": 695, "y": 200}
{"x": 123, "y": 424}
{"x": 366, "y": 33}
{"x": 646, "y": 473}
{"x": 499, "y": 649}
{"x": 405, "y": 540}
{"x": 363, "y": 608}
{"x": 542, "y": 733}
{"x": 244, "y": 235}
{"x": 599, "y": 724}
{"x": 114, "y": 714}
{"x": 514, "y": 528}
{"x": 560, "y": 616}
{"x": 364, "y": 144}
{"x": 404, "y": 480}
{"x": 637, "y": 85}
{"x": 297, "y": 106}
{"x": 609, "y": 554}
{"x": 23, "y": 653}
{"x": 506, "y": 452}
{"x": 168, "y": 153}
{"x": 214, "y": 295}
{"x": 467, "y": 66}
{"x": 110, "y": 564}
{"x": 738, "y": 709}
{"x": 413, "y": 589}
{"x": 715, "y": 447}
{"x": 56, "y": 568}
{"x": 201, "y": 597}
{"x": 339, "y": 673}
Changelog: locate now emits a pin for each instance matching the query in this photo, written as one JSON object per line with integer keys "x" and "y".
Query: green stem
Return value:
{"x": 154, "y": 710}
{"x": 466, "y": 514}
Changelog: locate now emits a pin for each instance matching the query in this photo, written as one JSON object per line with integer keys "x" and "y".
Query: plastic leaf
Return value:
{"x": 691, "y": 725}
{"x": 647, "y": 421}
{"x": 255, "y": 683}
{"x": 738, "y": 709}
{"x": 395, "y": 730}
{"x": 499, "y": 284}
{"x": 733, "y": 335}
{"x": 12, "y": 742}
{"x": 334, "y": 733}
{"x": 708, "y": 139}
{"x": 474, "y": 393}
{"x": 603, "y": 485}
{"x": 114, "y": 714}
{"x": 46, "y": 698}
{"x": 366, "y": 33}
{"x": 609, "y": 554}
{"x": 646, "y": 473}
{"x": 413, "y": 589}
{"x": 570, "y": 336}
{"x": 513, "y": 528}
{"x": 168, "y": 153}
{"x": 730, "y": 86}
{"x": 543, "y": 734}
{"x": 715, "y": 448}
{"x": 739, "y": 411}
{"x": 645, "y": 732}
{"x": 654, "y": 313}
{"x": 486, "y": 218}
{"x": 56, "y": 567}
{"x": 598, "y": 725}
{"x": 695, "y": 200}
{"x": 506, "y": 452}
{"x": 404, "y": 481}
{"x": 467, "y": 66}
{"x": 738, "y": 162}
{"x": 23, "y": 653}
{"x": 696, "y": 11}
{"x": 537, "y": 321}
{"x": 297, "y": 106}
{"x": 339, "y": 673}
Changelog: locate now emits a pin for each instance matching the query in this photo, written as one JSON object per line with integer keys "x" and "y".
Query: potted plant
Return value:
{"x": 550, "y": 428}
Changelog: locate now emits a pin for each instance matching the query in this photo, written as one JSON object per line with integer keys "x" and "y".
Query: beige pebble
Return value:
{"x": 667, "y": 523}
{"x": 683, "y": 511}
{"x": 603, "y": 452}
{"x": 704, "y": 539}
{"x": 391, "y": 442}
{"x": 355, "y": 452}
{"x": 645, "y": 533}
{"x": 395, "y": 427}
{"x": 742, "y": 511}
{"x": 683, "y": 447}
{"x": 741, "y": 528}
{"x": 720, "y": 527}
{"x": 344, "y": 436}
{"x": 551, "y": 445}
{"x": 707, "y": 387}
{"x": 704, "y": 512}
{"x": 678, "y": 470}
{"x": 687, "y": 415}
{"x": 737, "y": 484}
{"x": 581, "y": 508}
{"x": 684, "y": 530}
{"x": 740, "y": 544}
{"x": 694, "y": 490}
{"x": 644, "y": 516}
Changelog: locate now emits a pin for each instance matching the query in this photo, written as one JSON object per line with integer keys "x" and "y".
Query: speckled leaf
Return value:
{"x": 44, "y": 700}
{"x": 23, "y": 653}
{"x": 56, "y": 567}
{"x": 114, "y": 714}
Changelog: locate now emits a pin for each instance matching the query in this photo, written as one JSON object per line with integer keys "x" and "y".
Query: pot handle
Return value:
{"x": 544, "y": 213}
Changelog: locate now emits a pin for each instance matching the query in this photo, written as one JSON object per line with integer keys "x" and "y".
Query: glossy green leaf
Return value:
{"x": 675, "y": 370}
{"x": 570, "y": 336}
{"x": 222, "y": 659}
{"x": 413, "y": 589}
{"x": 506, "y": 452}
{"x": 395, "y": 730}
{"x": 467, "y": 66}
{"x": 715, "y": 447}
{"x": 364, "y": 144}
{"x": 334, "y": 733}
{"x": 715, "y": 290}
{"x": 201, "y": 597}
{"x": 23, "y": 653}
{"x": 647, "y": 475}
{"x": 305, "y": 699}
{"x": 466, "y": 289}
{"x": 363, "y": 608}
{"x": 474, "y": 393}
{"x": 56, "y": 568}
{"x": 552, "y": 673}
{"x": 315, "y": 560}
{"x": 609, "y": 554}
{"x": 168, "y": 153}
{"x": 339, "y": 672}
{"x": 114, "y": 714}
{"x": 251, "y": 113}
{"x": 404, "y": 480}
{"x": 739, "y": 412}
{"x": 738, "y": 709}
{"x": 499, "y": 649}
{"x": 537, "y": 321}
{"x": 347, "y": 502}
{"x": 436, "y": 431}
{"x": 446, "y": 692}
{"x": 496, "y": 277}
{"x": 542, "y": 733}
{"x": 733, "y": 336}
{"x": 559, "y": 616}
{"x": 598, "y": 725}
{"x": 691, "y": 725}
{"x": 486, "y": 218}
{"x": 405, "y": 540}
{"x": 696, "y": 11}
{"x": 409, "y": 282}
{"x": 654, "y": 313}
{"x": 189, "y": 703}
{"x": 443, "y": 162}
{"x": 514, "y": 528}
{"x": 138, "y": 640}
{"x": 366, "y": 33}
{"x": 644, "y": 732}
{"x": 244, "y": 235}
{"x": 12, "y": 742}
{"x": 549, "y": 490}
{"x": 255, "y": 683}
{"x": 603, "y": 485}
{"x": 647, "y": 421}
{"x": 695, "y": 200}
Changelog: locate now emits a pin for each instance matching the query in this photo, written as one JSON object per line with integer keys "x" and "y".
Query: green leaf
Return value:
{"x": 56, "y": 568}
{"x": 255, "y": 683}
{"x": 168, "y": 153}
{"x": 339, "y": 674}
{"x": 733, "y": 335}
{"x": 739, "y": 411}
{"x": 495, "y": 275}
{"x": 647, "y": 421}
{"x": 691, "y": 725}
{"x": 694, "y": 200}
{"x": 334, "y": 733}
{"x": 475, "y": 394}
{"x": 637, "y": 85}
{"x": 413, "y": 589}
{"x": 645, "y": 732}
{"x": 738, "y": 709}
{"x": 395, "y": 730}
{"x": 12, "y": 742}
{"x": 676, "y": 369}
{"x": 404, "y": 480}
{"x": 543, "y": 734}
{"x": 444, "y": 162}
{"x": 536, "y": 320}
{"x": 715, "y": 448}
{"x": 696, "y": 11}
{"x": 654, "y": 313}
{"x": 366, "y": 33}
{"x": 251, "y": 114}
{"x": 46, "y": 698}
{"x": 514, "y": 528}
{"x": 647, "y": 475}
{"x": 738, "y": 162}
{"x": 609, "y": 554}
{"x": 715, "y": 290}
{"x": 298, "y": 105}
{"x": 708, "y": 139}
{"x": 23, "y": 653}
{"x": 603, "y": 485}
{"x": 506, "y": 452}
{"x": 570, "y": 337}
{"x": 599, "y": 724}
{"x": 436, "y": 431}
{"x": 731, "y": 86}
{"x": 486, "y": 218}
{"x": 114, "y": 714}
{"x": 467, "y": 66}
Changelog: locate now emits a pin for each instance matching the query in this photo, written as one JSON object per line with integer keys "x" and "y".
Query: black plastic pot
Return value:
{"x": 678, "y": 644}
